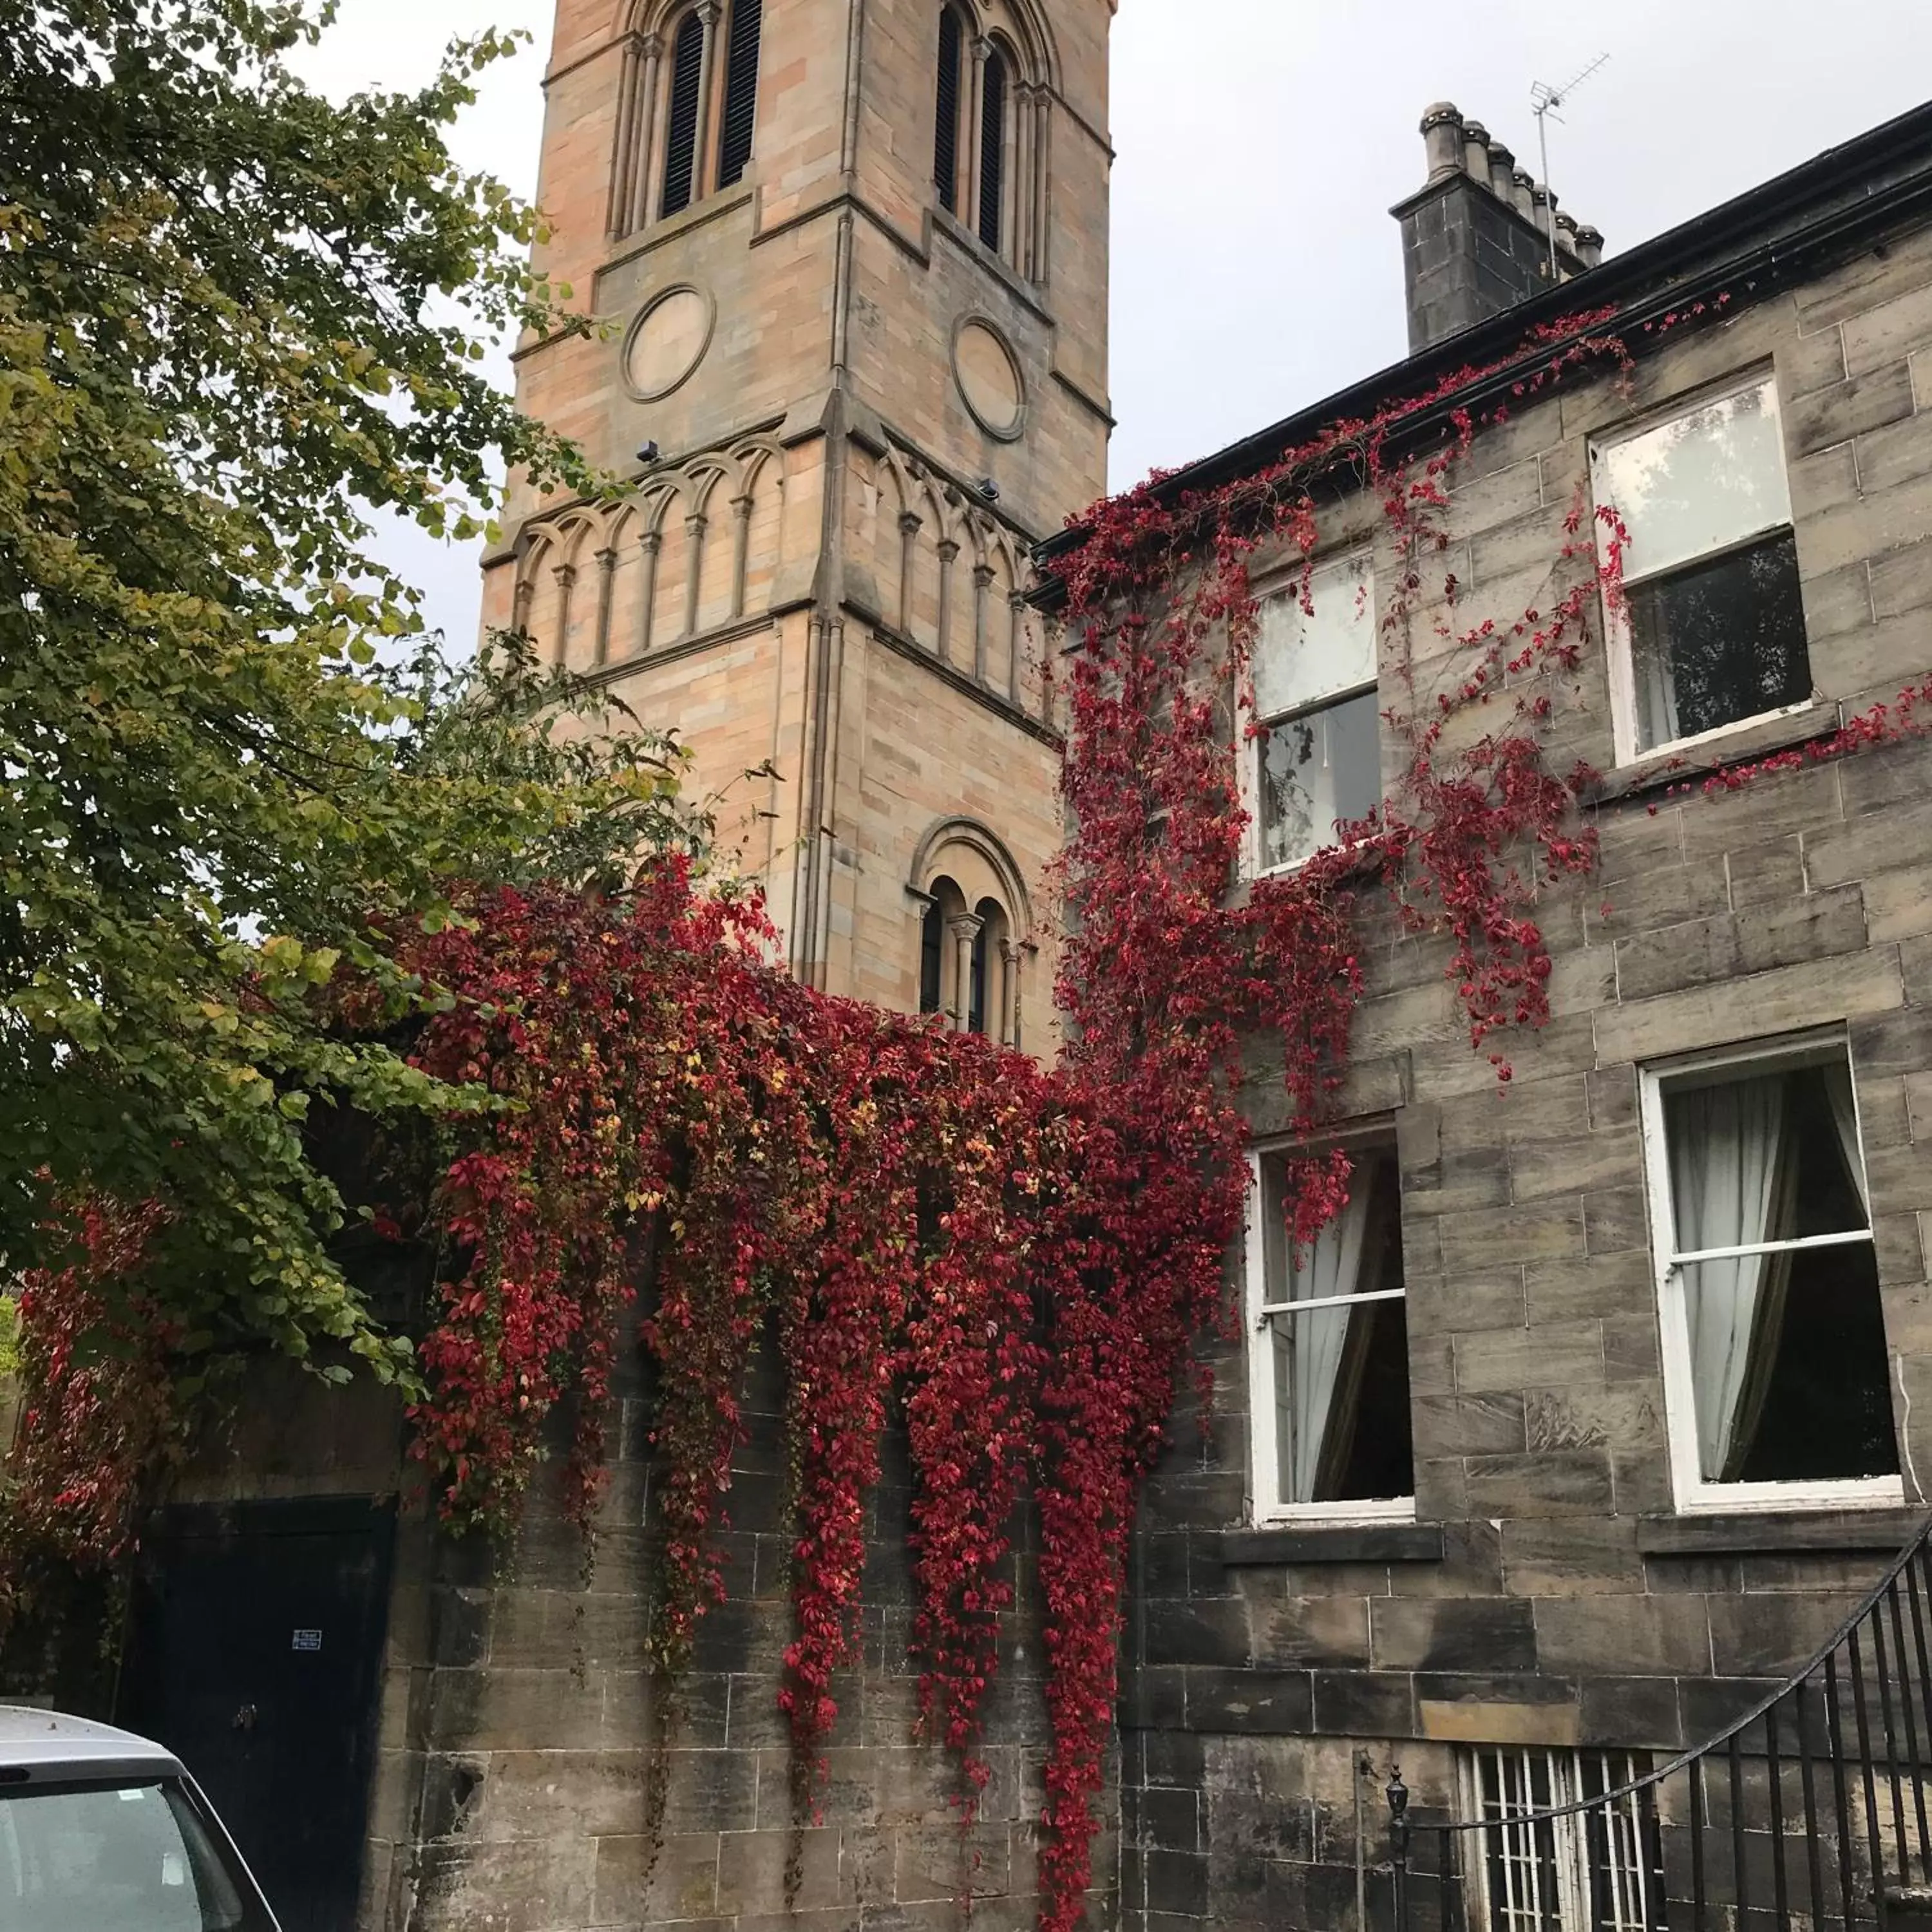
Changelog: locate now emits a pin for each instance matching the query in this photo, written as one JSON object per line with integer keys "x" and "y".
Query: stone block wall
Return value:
{"x": 523, "y": 1737}
{"x": 1549, "y": 1593}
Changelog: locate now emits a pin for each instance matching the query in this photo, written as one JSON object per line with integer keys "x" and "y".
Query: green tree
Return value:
{"x": 225, "y": 342}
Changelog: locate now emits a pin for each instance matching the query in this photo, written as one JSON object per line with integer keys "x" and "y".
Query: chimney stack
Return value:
{"x": 1476, "y": 237}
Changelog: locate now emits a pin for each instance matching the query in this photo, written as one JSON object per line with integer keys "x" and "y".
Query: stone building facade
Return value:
{"x": 848, "y": 263}
{"x": 1559, "y": 1503}
{"x": 1531, "y": 1534}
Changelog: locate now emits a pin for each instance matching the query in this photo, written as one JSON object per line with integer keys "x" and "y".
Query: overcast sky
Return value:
{"x": 1261, "y": 143}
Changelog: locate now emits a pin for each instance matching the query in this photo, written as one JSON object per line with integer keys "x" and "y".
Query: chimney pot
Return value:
{"x": 1442, "y": 140}
{"x": 1476, "y": 152}
{"x": 1589, "y": 246}
{"x": 1502, "y": 165}
{"x": 1544, "y": 204}
{"x": 1522, "y": 192}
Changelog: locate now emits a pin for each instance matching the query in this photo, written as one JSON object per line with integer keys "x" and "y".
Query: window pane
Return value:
{"x": 1342, "y": 1404}
{"x": 1788, "y": 1367}
{"x": 132, "y": 1859}
{"x": 1810, "y": 1398}
{"x": 1320, "y": 769}
{"x": 1301, "y": 658}
{"x": 1719, "y": 643}
{"x": 1708, "y": 479}
{"x": 1773, "y": 1158}
{"x": 1340, "y": 1373}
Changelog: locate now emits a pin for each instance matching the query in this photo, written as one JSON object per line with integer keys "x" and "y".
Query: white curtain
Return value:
{"x": 1845, "y": 1118}
{"x": 1725, "y": 1143}
{"x": 1309, "y": 1348}
{"x": 1656, "y": 681}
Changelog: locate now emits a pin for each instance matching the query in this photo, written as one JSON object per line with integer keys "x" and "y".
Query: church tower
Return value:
{"x": 848, "y": 261}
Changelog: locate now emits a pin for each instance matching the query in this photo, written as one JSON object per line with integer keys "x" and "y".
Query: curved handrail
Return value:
{"x": 1520, "y": 1821}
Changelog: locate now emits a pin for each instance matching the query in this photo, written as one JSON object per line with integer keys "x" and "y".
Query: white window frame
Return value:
{"x": 1616, "y": 613}
{"x": 1251, "y": 741}
{"x": 1628, "y": 1908}
{"x": 1264, "y": 1478}
{"x": 1695, "y": 1495}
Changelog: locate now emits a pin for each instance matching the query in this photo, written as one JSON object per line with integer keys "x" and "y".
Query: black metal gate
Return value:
{"x": 254, "y": 1652}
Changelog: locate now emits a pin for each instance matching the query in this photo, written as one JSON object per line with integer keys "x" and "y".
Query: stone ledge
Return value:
{"x": 1888, "y": 1531}
{"x": 1342, "y": 1543}
{"x": 1642, "y": 780}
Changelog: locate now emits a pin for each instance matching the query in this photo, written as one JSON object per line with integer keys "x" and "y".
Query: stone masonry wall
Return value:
{"x": 1549, "y": 1594}
{"x": 522, "y": 1732}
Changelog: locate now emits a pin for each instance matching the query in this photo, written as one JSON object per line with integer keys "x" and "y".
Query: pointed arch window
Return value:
{"x": 741, "y": 92}
{"x": 993, "y": 151}
{"x": 687, "y": 100}
{"x": 952, "y": 96}
{"x": 993, "y": 101}
{"x": 688, "y": 120}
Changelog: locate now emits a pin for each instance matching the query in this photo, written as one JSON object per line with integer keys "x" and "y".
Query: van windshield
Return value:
{"x": 127, "y": 1858}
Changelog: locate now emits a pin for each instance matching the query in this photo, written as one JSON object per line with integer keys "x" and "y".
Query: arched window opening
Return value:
{"x": 986, "y": 1011}
{"x": 687, "y": 101}
{"x": 974, "y": 922}
{"x": 951, "y": 95}
{"x": 932, "y": 960}
{"x": 688, "y": 121}
{"x": 993, "y": 152}
{"x": 741, "y": 92}
{"x": 976, "y": 999}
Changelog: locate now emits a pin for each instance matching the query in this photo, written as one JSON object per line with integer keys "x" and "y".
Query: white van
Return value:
{"x": 102, "y": 1832}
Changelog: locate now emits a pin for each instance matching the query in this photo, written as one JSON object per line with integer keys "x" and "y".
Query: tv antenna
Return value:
{"x": 1545, "y": 103}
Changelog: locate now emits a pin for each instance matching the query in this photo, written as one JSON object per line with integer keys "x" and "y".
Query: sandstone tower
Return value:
{"x": 849, "y": 261}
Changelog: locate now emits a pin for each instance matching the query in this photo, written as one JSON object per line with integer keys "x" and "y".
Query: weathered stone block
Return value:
{"x": 1857, "y": 986}
{"x": 1574, "y": 1482}
{"x": 1365, "y": 1705}
{"x": 1637, "y": 1636}
{"x": 1506, "y": 1361}
{"x": 1867, "y": 401}
{"x": 1269, "y": 1702}
{"x": 1454, "y": 1634}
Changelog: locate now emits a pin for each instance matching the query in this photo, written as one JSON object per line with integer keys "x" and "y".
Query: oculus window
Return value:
{"x": 1329, "y": 1349}
{"x": 1775, "y": 1361}
{"x": 1316, "y": 752}
{"x": 1712, "y": 631}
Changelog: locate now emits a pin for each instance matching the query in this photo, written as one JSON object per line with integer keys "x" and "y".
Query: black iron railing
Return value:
{"x": 1810, "y": 1811}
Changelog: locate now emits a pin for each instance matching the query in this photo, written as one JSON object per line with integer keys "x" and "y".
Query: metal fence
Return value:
{"x": 1811, "y": 1811}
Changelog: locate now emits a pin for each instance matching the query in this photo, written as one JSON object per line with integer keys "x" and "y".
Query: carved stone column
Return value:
{"x": 965, "y": 927}
{"x": 949, "y": 555}
{"x": 695, "y": 525}
{"x": 741, "y": 551}
{"x": 607, "y": 573}
{"x": 911, "y": 524}
{"x": 652, "y": 542}
{"x": 983, "y": 574}
{"x": 710, "y": 13}
{"x": 976, "y": 133}
{"x": 566, "y": 578}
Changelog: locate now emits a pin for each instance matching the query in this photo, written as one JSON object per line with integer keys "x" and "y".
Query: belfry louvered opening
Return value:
{"x": 741, "y": 92}
{"x": 682, "y": 126}
{"x": 952, "y": 93}
{"x": 993, "y": 151}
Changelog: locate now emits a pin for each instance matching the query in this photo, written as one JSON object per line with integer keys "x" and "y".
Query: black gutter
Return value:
{"x": 1748, "y": 247}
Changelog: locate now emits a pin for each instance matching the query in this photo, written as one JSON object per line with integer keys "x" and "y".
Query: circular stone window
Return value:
{"x": 667, "y": 341}
{"x": 989, "y": 379}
